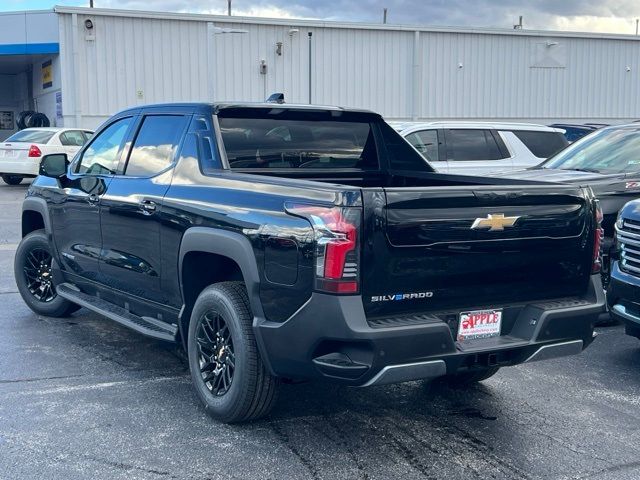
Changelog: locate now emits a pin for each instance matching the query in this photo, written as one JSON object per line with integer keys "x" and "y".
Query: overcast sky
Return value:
{"x": 615, "y": 16}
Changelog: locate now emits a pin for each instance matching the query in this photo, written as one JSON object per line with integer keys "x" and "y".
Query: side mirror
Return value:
{"x": 54, "y": 165}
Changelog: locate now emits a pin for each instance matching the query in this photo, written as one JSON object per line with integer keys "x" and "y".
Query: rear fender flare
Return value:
{"x": 232, "y": 245}
{"x": 238, "y": 248}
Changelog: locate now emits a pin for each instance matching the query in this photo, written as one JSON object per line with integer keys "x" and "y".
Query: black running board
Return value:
{"x": 144, "y": 325}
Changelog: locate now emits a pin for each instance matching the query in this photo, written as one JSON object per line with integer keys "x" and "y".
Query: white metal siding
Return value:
{"x": 496, "y": 79}
{"x": 132, "y": 61}
{"x": 435, "y": 73}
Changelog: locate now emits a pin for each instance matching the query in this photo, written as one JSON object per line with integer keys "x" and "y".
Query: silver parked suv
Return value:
{"x": 477, "y": 148}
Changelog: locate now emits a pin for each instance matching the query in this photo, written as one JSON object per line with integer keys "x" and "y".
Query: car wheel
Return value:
{"x": 32, "y": 270}
{"x": 226, "y": 368}
{"x": 468, "y": 378}
{"x": 12, "y": 179}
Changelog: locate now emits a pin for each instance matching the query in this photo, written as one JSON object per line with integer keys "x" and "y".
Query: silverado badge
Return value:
{"x": 495, "y": 222}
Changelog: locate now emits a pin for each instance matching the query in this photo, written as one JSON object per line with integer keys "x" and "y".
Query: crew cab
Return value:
{"x": 304, "y": 242}
{"x": 623, "y": 293}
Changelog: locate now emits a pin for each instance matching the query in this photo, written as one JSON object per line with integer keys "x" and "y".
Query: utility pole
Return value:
{"x": 91, "y": 6}
{"x": 384, "y": 15}
{"x": 310, "y": 65}
{"x": 637, "y": 21}
{"x": 229, "y": 7}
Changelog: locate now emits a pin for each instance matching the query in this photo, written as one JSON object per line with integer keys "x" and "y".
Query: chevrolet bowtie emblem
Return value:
{"x": 495, "y": 223}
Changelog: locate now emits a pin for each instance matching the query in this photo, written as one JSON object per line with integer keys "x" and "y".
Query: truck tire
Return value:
{"x": 21, "y": 119}
{"x": 226, "y": 368}
{"x": 12, "y": 179}
{"x": 469, "y": 378}
{"x": 32, "y": 270}
{"x": 37, "y": 120}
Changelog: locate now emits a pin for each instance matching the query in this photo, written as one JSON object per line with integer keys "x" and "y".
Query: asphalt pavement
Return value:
{"x": 83, "y": 397}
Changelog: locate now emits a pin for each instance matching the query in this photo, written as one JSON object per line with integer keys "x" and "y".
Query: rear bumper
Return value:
{"x": 623, "y": 298}
{"x": 329, "y": 337}
{"x": 25, "y": 167}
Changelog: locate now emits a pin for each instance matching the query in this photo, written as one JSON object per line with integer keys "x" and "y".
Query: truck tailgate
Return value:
{"x": 436, "y": 248}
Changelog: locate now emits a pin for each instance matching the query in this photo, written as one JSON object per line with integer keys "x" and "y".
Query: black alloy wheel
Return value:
{"x": 33, "y": 268}
{"x": 37, "y": 270}
{"x": 215, "y": 353}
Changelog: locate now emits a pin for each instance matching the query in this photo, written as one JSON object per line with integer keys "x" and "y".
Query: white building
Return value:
{"x": 80, "y": 65}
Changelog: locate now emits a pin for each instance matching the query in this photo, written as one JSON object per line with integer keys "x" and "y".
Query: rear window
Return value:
{"x": 542, "y": 144}
{"x": 31, "y": 136}
{"x": 288, "y": 143}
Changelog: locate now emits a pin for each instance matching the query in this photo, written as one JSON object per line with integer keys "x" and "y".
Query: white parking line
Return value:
{"x": 95, "y": 386}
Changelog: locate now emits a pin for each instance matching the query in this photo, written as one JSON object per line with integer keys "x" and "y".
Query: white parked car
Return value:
{"x": 20, "y": 154}
{"x": 478, "y": 148}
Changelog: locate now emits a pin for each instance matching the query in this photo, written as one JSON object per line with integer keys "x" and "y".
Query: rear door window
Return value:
{"x": 473, "y": 144}
{"x": 542, "y": 144}
{"x": 426, "y": 142}
{"x": 72, "y": 138}
{"x": 155, "y": 144}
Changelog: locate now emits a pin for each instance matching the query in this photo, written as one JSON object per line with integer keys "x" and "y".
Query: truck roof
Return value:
{"x": 218, "y": 106}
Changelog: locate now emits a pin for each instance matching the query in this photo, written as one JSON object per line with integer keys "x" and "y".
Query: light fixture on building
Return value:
{"x": 279, "y": 48}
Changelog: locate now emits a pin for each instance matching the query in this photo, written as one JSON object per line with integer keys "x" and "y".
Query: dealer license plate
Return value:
{"x": 479, "y": 324}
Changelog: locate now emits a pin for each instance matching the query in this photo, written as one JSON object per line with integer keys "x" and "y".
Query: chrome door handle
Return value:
{"x": 148, "y": 207}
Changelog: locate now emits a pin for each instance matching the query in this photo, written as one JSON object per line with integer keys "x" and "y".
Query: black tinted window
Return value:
{"x": 472, "y": 144}
{"x": 426, "y": 142}
{"x": 155, "y": 145}
{"x": 285, "y": 143}
{"x": 542, "y": 144}
{"x": 102, "y": 155}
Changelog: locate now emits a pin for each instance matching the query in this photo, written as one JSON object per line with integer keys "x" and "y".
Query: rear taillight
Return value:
{"x": 337, "y": 253}
{"x": 34, "y": 151}
{"x": 596, "y": 266}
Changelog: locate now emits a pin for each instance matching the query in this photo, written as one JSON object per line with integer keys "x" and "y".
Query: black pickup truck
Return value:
{"x": 295, "y": 242}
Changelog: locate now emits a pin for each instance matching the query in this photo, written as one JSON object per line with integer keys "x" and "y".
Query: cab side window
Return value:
{"x": 155, "y": 144}
{"x": 102, "y": 155}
